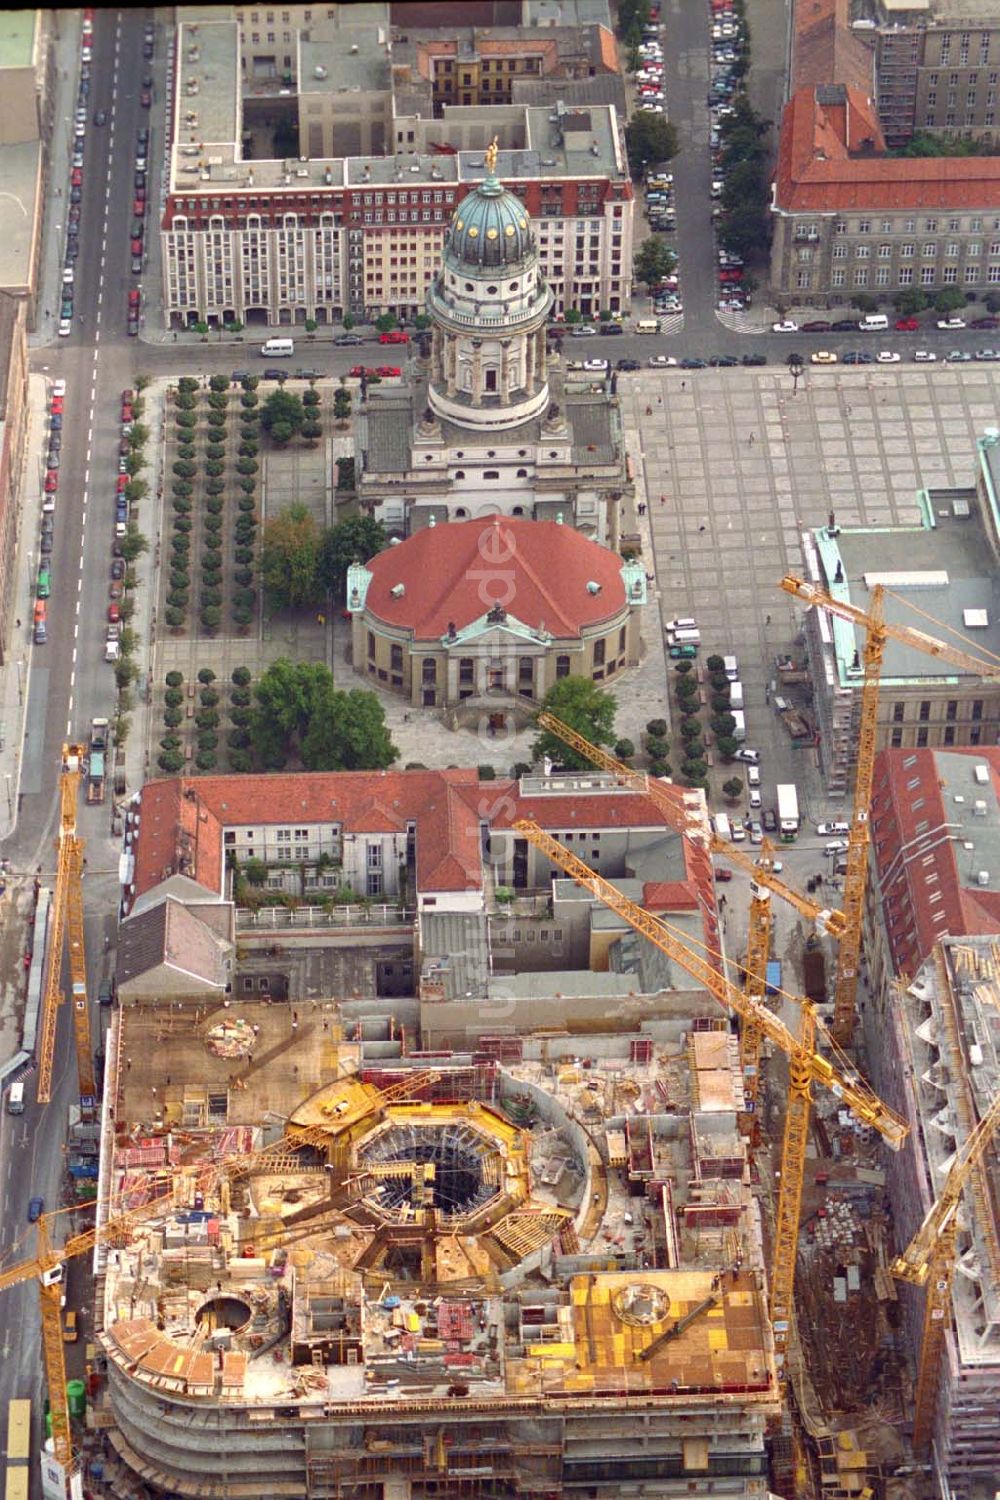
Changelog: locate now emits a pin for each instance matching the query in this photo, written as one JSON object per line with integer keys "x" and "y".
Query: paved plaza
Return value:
{"x": 735, "y": 464}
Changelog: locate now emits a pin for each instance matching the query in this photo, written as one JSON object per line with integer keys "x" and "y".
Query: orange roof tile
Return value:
{"x": 455, "y": 573}
{"x": 668, "y": 895}
{"x": 818, "y": 172}
{"x": 826, "y": 50}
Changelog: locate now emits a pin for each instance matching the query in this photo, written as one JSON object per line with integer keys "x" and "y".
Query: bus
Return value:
{"x": 18, "y": 1450}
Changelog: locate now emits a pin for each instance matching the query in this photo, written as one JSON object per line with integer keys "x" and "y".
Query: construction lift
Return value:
{"x": 691, "y": 822}
{"x": 878, "y": 632}
{"x": 929, "y": 1261}
{"x": 806, "y": 1066}
{"x": 67, "y": 920}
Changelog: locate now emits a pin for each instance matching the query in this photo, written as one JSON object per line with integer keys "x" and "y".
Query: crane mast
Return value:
{"x": 67, "y": 922}
{"x": 929, "y": 1261}
{"x": 806, "y": 1065}
{"x": 878, "y": 631}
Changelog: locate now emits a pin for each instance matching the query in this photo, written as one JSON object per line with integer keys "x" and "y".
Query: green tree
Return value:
{"x": 582, "y": 705}
{"x": 347, "y": 732}
{"x": 136, "y": 491}
{"x": 282, "y": 409}
{"x": 133, "y": 543}
{"x": 745, "y": 184}
{"x": 654, "y": 262}
{"x": 949, "y": 300}
{"x": 649, "y": 138}
{"x": 864, "y": 302}
{"x": 745, "y": 230}
{"x": 733, "y": 788}
{"x": 289, "y": 557}
{"x": 387, "y": 322}
{"x": 355, "y": 539}
{"x": 910, "y": 301}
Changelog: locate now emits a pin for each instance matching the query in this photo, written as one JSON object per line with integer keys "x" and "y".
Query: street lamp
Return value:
{"x": 10, "y": 804}
{"x": 795, "y": 367}
{"x": 20, "y": 680}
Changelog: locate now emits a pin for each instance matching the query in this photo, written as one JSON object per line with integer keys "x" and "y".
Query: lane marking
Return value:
{"x": 74, "y": 656}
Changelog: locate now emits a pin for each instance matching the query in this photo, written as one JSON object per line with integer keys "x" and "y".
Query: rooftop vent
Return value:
{"x": 983, "y": 877}
{"x": 319, "y": 71}
{"x": 592, "y": 587}
{"x": 975, "y": 619}
{"x": 398, "y": 590}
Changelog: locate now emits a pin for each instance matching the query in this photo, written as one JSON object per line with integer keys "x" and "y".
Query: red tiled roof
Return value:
{"x": 455, "y": 573}
{"x": 448, "y": 808}
{"x": 825, "y": 49}
{"x": 914, "y": 867}
{"x": 668, "y": 895}
{"x": 817, "y": 172}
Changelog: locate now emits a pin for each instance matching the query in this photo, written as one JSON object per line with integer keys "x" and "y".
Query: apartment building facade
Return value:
{"x": 937, "y": 70}
{"x": 849, "y": 220}
{"x": 925, "y": 702}
{"x": 285, "y": 241}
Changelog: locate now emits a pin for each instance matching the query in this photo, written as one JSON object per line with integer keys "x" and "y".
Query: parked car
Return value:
{"x": 907, "y": 325}
{"x": 770, "y": 821}
{"x": 347, "y": 340}
{"x": 823, "y": 357}
{"x": 838, "y": 825}
{"x": 749, "y": 757}
{"x": 887, "y": 357}
{"x": 924, "y": 357}
{"x": 785, "y": 326}
{"x": 394, "y": 336}
{"x": 948, "y": 323}
{"x": 36, "y": 1207}
{"x": 985, "y": 323}
{"x": 818, "y": 325}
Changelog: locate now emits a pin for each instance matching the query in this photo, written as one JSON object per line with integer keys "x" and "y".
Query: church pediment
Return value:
{"x": 495, "y": 628}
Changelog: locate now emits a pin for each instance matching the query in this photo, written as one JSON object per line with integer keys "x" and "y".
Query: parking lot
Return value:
{"x": 735, "y": 465}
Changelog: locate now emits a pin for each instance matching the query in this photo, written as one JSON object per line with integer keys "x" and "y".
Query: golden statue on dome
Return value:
{"x": 492, "y": 151}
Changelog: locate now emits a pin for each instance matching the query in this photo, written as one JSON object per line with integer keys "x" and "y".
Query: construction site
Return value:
{"x": 383, "y": 1243}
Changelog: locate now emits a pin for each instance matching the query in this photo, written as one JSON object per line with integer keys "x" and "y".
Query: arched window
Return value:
{"x": 459, "y": 473}
{"x": 522, "y": 473}
{"x": 461, "y": 513}
{"x": 492, "y": 291}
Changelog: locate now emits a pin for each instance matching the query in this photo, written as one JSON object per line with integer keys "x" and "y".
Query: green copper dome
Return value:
{"x": 490, "y": 227}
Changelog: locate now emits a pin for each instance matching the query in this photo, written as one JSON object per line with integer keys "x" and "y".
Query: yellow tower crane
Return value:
{"x": 691, "y": 821}
{"x": 48, "y": 1268}
{"x": 929, "y": 1261}
{"x": 67, "y": 920}
{"x": 806, "y": 1066}
{"x": 878, "y": 631}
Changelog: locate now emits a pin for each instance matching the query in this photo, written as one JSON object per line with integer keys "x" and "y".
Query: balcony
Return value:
{"x": 301, "y": 918}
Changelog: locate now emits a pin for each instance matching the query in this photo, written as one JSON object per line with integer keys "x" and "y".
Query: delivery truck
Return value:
{"x": 788, "y": 812}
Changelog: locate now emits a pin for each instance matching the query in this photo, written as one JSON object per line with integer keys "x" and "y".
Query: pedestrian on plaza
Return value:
{"x": 767, "y": 619}
{"x": 683, "y": 385}
{"x": 663, "y": 499}
{"x": 751, "y": 439}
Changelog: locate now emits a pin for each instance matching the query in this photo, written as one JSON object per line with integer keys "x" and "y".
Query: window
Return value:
{"x": 898, "y": 713}
{"x": 896, "y": 739}
{"x": 882, "y": 276}
{"x": 466, "y": 670}
{"x": 864, "y": 226}
{"x": 921, "y": 739}
{"x": 885, "y": 252}
{"x": 906, "y": 275}
{"x": 861, "y": 278}
{"x": 886, "y": 226}
{"x": 972, "y": 249}
{"x": 927, "y": 276}
{"x": 930, "y": 225}
{"x": 977, "y": 709}
{"x": 562, "y": 666}
{"x": 840, "y": 252}
{"x": 839, "y": 278}
{"x": 928, "y": 249}
{"x": 599, "y": 653}
{"x": 862, "y": 252}
{"x": 950, "y": 275}
{"x": 396, "y": 658}
{"x": 951, "y": 249}
{"x": 951, "y": 710}
{"x": 429, "y": 670}
{"x": 925, "y": 711}
{"x": 949, "y": 734}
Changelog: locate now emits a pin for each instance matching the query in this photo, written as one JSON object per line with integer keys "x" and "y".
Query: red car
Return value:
{"x": 907, "y": 325}
{"x": 122, "y": 484}
{"x": 126, "y": 414}
{"x": 115, "y": 588}
{"x": 76, "y": 177}
{"x": 136, "y": 247}
{"x": 128, "y": 396}
{"x": 51, "y": 481}
{"x": 397, "y": 336}
{"x": 139, "y": 206}
{"x": 114, "y": 614}
{"x": 146, "y": 99}
{"x": 358, "y": 370}
{"x": 56, "y": 405}
{"x": 133, "y": 297}
{"x": 386, "y": 370}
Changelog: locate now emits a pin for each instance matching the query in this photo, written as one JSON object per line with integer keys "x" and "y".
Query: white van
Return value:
{"x": 731, "y": 667}
{"x": 736, "y": 694}
{"x": 648, "y": 325}
{"x": 722, "y": 828}
{"x": 15, "y": 1098}
{"x": 277, "y": 348}
{"x": 684, "y": 637}
{"x": 874, "y": 323}
{"x": 683, "y": 622}
{"x": 753, "y": 775}
{"x": 740, "y": 732}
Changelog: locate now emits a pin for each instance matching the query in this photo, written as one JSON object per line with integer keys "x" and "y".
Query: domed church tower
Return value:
{"x": 488, "y": 304}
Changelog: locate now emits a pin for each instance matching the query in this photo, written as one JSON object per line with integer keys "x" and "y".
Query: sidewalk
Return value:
{"x": 15, "y": 674}
{"x": 66, "y": 45}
